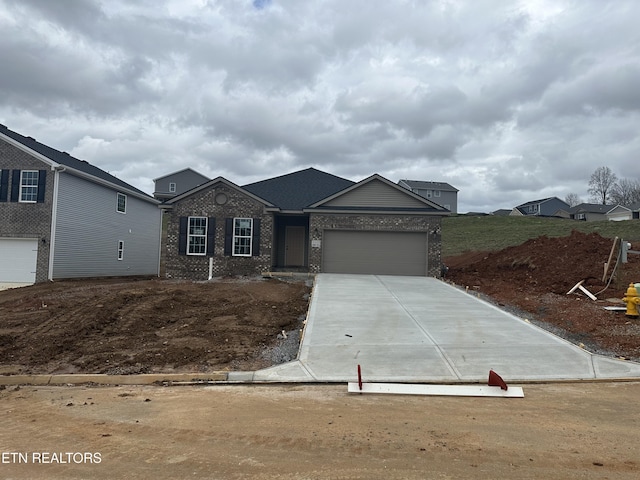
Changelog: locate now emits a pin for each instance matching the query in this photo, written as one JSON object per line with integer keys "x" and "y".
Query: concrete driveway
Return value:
{"x": 419, "y": 329}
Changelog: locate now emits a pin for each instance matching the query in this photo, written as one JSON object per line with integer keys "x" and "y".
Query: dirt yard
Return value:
{"x": 558, "y": 431}
{"x": 145, "y": 326}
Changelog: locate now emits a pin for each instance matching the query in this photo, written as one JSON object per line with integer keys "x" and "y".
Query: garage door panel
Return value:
{"x": 18, "y": 259}
{"x": 375, "y": 253}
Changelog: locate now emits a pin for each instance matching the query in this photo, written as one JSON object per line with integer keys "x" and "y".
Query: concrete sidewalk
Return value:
{"x": 419, "y": 329}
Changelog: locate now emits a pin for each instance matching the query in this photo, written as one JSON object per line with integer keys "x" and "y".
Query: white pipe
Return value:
{"x": 210, "y": 268}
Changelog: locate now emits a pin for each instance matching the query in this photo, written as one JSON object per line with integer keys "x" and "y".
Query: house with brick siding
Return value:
{"x": 305, "y": 221}
{"x": 61, "y": 217}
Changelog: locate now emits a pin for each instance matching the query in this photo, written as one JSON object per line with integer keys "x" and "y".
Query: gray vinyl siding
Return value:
{"x": 184, "y": 180}
{"x": 446, "y": 198}
{"x": 88, "y": 229}
{"x": 375, "y": 194}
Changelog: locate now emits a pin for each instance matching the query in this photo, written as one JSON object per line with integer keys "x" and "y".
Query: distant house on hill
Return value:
{"x": 590, "y": 212}
{"x": 439, "y": 192}
{"x": 546, "y": 207}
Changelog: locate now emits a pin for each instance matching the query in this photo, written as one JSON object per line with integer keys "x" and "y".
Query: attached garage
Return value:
{"x": 374, "y": 252}
{"x": 18, "y": 258}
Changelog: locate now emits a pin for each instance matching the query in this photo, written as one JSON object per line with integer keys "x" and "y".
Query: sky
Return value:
{"x": 508, "y": 101}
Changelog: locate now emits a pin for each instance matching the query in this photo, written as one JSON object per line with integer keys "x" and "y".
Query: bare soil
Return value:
{"x": 558, "y": 431}
{"x": 124, "y": 326}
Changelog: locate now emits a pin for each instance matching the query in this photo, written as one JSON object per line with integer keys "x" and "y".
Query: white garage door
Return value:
{"x": 374, "y": 253}
{"x": 18, "y": 258}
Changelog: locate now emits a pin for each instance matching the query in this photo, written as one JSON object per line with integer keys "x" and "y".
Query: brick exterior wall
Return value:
{"x": 431, "y": 225}
{"x": 27, "y": 220}
{"x": 203, "y": 204}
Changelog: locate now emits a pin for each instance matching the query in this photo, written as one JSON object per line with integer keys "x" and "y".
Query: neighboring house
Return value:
{"x": 590, "y": 212}
{"x": 546, "y": 207}
{"x": 61, "y": 217}
{"x": 176, "y": 183}
{"x": 438, "y": 192}
{"x": 619, "y": 213}
{"x": 308, "y": 221}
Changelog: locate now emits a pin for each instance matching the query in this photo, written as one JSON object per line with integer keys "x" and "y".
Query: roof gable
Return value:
{"x": 376, "y": 192}
{"x": 184, "y": 170}
{"x": 211, "y": 184}
{"x": 297, "y": 190}
{"x": 618, "y": 208}
{"x": 63, "y": 158}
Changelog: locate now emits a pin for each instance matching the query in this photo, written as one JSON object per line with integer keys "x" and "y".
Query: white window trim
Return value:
{"x": 189, "y": 235}
{"x": 118, "y": 195}
{"x": 120, "y": 250}
{"x": 172, "y": 187}
{"x": 250, "y": 237}
{"x": 22, "y": 187}
{"x": 436, "y": 193}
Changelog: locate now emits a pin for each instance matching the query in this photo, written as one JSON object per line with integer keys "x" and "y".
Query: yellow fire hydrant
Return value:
{"x": 632, "y": 300}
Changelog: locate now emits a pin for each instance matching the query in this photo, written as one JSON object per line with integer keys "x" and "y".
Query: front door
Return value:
{"x": 294, "y": 246}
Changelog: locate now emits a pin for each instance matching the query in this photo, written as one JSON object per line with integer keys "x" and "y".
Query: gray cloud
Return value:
{"x": 507, "y": 101}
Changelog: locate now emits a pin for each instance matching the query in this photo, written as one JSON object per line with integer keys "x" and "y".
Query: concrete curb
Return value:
{"x": 230, "y": 378}
{"x": 101, "y": 379}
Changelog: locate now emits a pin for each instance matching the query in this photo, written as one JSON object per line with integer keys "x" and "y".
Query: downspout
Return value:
{"x": 54, "y": 217}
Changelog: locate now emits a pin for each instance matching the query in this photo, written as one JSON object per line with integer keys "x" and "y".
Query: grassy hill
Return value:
{"x": 462, "y": 234}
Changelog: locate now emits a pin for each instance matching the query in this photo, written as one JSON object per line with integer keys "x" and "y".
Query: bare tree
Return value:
{"x": 601, "y": 184}
{"x": 573, "y": 199}
{"x": 626, "y": 192}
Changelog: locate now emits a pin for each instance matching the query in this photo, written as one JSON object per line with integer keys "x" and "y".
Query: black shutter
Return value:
{"x": 182, "y": 236}
{"x": 211, "y": 236}
{"x": 255, "y": 241}
{"x": 15, "y": 185}
{"x": 228, "y": 237}
{"x": 4, "y": 185}
{"x": 42, "y": 182}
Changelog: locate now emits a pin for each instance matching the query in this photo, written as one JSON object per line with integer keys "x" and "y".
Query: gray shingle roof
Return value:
{"x": 297, "y": 190}
{"x": 63, "y": 158}
{"x": 419, "y": 184}
{"x": 590, "y": 208}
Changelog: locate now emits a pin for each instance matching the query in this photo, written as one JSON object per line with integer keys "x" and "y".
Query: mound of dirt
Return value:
{"x": 124, "y": 326}
{"x": 533, "y": 278}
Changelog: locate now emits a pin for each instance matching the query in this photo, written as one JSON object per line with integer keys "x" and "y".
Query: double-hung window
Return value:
{"x": 172, "y": 187}
{"x": 120, "y": 249}
{"x": 197, "y": 236}
{"x": 121, "y": 205}
{"x": 29, "y": 186}
{"x": 242, "y": 235}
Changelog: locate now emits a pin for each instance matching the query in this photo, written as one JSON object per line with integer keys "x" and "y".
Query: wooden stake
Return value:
{"x": 606, "y": 265}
